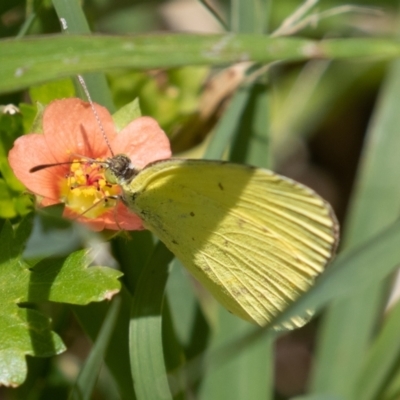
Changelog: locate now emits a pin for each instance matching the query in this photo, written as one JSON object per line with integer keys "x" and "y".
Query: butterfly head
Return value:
{"x": 119, "y": 169}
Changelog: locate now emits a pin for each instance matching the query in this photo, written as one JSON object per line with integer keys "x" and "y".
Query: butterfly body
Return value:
{"x": 255, "y": 239}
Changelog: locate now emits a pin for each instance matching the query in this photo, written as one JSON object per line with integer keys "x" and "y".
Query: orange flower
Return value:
{"x": 72, "y": 133}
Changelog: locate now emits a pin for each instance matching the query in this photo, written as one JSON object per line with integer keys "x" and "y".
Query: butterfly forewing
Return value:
{"x": 255, "y": 239}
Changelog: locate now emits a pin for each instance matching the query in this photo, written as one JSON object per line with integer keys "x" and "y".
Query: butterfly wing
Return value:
{"x": 255, "y": 239}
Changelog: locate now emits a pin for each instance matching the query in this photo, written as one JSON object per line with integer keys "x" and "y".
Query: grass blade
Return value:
{"x": 146, "y": 346}
{"x": 32, "y": 61}
{"x": 381, "y": 358}
{"x": 349, "y": 324}
{"x": 117, "y": 357}
{"x": 226, "y": 128}
{"x": 71, "y": 12}
{"x": 88, "y": 375}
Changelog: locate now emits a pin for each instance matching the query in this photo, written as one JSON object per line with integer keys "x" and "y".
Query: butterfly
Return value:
{"x": 256, "y": 240}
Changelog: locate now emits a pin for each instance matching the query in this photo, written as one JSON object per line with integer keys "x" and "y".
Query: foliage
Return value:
{"x": 298, "y": 97}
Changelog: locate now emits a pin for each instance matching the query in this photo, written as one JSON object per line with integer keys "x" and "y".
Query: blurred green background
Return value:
{"x": 332, "y": 123}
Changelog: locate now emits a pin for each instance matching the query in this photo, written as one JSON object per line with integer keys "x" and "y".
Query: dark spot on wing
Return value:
{"x": 191, "y": 213}
{"x": 236, "y": 292}
{"x": 241, "y": 222}
{"x": 174, "y": 241}
{"x": 220, "y": 186}
{"x": 133, "y": 196}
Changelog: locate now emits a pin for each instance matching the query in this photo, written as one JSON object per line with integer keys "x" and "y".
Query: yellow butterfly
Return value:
{"x": 256, "y": 240}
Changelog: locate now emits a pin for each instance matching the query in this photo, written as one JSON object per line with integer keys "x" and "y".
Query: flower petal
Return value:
{"x": 143, "y": 141}
{"x": 72, "y": 129}
{"x": 118, "y": 218}
{"x": 30, "y": 151}
{"x": 122, "y": 218}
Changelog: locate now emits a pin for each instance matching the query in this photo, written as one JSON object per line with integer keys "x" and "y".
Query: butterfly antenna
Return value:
{"x": 44, "y": 166}
{"x": 96, "y": 115}
{"x": 64, "y": 27}
{"x": 85, "y": 160}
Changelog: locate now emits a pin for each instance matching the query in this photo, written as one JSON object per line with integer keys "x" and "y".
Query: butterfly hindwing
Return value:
{"x": 255, "y": 239}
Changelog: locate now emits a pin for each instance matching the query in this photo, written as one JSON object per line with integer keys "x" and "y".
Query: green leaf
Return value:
{"x": 53, "y": 235}
{"x": 29, "y": 113}
{"x": 10, "y": 129}
{"x": 127, "y": 114}
{"x": 8, "y": 207}
{"x": 24, "y": 331}
{"x": 50, "y": 91}
{"x": 71, "y": 280}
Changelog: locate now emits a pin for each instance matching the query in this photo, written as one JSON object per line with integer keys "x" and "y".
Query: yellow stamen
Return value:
{"x": 83, "y": 190}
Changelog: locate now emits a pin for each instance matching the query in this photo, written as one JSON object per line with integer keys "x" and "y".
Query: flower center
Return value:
{"x": 86, "y": 191}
